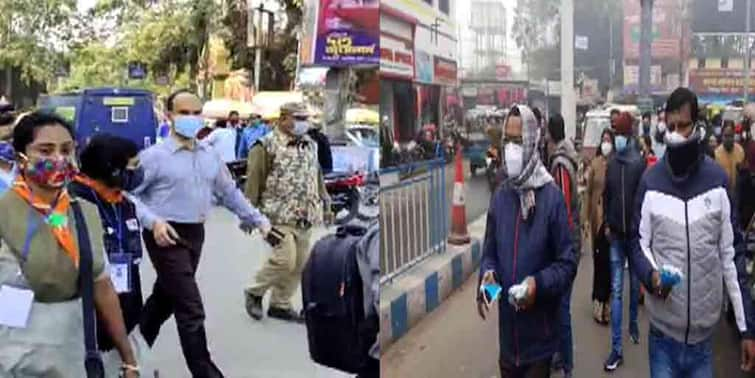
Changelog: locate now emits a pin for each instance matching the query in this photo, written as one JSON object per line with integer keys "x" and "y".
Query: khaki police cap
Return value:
{"x": 296, "y": 109}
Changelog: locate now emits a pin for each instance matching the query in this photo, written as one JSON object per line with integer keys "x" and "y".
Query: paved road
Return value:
{"x": 477, "y": 193}
{"x": 242, "y": 347}
{"x": 453, "y": 342}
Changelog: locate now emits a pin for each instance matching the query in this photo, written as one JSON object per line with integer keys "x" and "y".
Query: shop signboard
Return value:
{"x": 632, "y": 75}
{"x": 445, "y": 71}
{"x": 348, "y": 33}
{"x": 396, "y": 58}
{"x": 721, "y": 16}
{"x": 725, "y": 81}
{"x": 424, "y": 67}
{"x": 665, "y": 33}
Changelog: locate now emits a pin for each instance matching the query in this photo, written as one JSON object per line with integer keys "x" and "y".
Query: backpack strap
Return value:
{"x": 93, "y": 361}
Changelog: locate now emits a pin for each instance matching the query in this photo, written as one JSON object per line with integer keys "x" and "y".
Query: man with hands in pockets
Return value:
{"x": 528, "y": 251}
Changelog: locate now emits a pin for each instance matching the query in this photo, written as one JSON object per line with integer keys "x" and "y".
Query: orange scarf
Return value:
{"x": 62, "y": 232}
{"x": 111, "y": 196}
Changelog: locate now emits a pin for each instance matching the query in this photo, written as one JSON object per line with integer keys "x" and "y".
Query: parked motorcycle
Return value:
{"x": 345, "y": 191}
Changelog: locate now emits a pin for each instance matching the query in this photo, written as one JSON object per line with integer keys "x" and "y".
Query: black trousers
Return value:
{"x": 131, "y": 308}
{"x": 601, "y": 259}
{"x": 371, "y": 369}
{"x": 539, "y": 369}
{"x": 176, "y": 293}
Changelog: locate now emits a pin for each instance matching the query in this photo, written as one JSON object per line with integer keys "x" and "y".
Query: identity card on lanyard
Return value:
{"x": 120, "y": 272}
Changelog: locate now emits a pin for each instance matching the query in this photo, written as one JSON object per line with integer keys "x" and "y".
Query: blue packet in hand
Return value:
{"x": 670, "y": 275}
{"x": 491, "y": 292}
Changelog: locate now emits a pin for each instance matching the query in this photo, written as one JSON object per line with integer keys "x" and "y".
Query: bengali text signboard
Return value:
{"x": 348, "y": 33}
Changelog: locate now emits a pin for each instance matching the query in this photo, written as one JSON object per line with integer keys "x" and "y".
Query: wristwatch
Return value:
{"x": 125, "y": 368}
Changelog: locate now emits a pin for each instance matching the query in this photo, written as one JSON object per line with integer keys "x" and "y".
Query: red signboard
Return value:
{"x": 666, "y": 32}
{"x": 726, "y": 81}
{"x": 445, "y": 71}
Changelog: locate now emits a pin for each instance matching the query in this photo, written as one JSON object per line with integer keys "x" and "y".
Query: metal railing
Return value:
{"x": 413, "y": 217}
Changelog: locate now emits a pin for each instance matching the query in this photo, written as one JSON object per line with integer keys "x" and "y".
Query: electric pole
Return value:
{"x": 646, "y": 31}
{"x": 749, "y": 53}
{"x": 568, "y": 102}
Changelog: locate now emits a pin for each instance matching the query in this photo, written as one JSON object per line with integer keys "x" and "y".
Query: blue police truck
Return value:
{"x": 128, "y": 113}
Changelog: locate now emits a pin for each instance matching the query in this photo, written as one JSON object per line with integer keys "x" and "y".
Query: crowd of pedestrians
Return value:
{"x": 72, "y": 230}
{"x": 667, "y": 207}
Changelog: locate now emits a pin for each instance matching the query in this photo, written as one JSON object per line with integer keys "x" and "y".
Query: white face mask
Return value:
{"x": 675, "y": 138}
{"x": 752, "y": 131}
{"x": 301, "y": 127}
{"x": 662, "y": 126}
{"x": 513, "y": 155}
{"x": 8, "y": 176}
{"x": 606, "y": 148}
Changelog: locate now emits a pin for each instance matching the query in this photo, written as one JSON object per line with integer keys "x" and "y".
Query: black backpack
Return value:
{"x": 339, "y": 335}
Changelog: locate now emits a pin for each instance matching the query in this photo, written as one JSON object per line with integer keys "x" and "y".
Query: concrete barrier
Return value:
{"x": 418, "y": 291}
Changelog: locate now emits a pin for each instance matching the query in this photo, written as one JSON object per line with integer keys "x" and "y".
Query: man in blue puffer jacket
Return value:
{"x": 684, "y": 226}
{"x": 527, "y": 242}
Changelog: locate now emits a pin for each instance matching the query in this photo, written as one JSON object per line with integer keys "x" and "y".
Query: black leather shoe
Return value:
{"x": 288, "y": 315}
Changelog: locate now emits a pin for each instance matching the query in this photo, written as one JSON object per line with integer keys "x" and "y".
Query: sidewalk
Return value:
{"x": 453, "y": 341}
{"x": 405, "y": 301}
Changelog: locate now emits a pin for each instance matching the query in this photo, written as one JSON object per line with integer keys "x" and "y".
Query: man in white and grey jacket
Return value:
{"x": 683, "y": 218}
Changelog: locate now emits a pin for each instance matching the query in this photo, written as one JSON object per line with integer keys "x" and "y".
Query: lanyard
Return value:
{"x": 117, "y": 223}
{"x": 33, "y": 224}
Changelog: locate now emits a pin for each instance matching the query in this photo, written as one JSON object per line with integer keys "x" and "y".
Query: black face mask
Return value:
{"x": 729, "y": 144}
{"x": 132, "y": 178}
{"x": 684, "y": 157}
{"x": 127, "y": 179}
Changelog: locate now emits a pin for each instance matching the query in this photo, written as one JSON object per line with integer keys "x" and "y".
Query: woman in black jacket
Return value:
{"x": 108, "y": 170}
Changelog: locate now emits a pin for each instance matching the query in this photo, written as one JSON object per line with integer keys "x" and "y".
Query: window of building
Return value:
{"x": 444, "y": 6}
{"x": 700, "y": 62}
{"x": 725, "y": 62}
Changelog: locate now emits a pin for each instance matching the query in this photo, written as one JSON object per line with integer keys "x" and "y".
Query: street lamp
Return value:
{"x": 258, "y": 40}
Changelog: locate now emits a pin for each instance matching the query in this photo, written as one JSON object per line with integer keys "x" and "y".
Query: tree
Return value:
{"x": 279, "y": 59}
{"x": 168, "y": 36}
{"x": 33, "y": 35}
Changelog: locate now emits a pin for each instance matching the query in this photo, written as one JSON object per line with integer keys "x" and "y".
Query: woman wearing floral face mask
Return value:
{"x": 40, "y": 262}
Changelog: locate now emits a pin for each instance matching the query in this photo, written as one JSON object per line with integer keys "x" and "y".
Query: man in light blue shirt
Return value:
{"x": 181, "y": 176}
{"x": 223, "y": 140}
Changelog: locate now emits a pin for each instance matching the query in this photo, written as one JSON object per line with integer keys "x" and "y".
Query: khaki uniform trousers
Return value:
{"x": 282, "y": 271}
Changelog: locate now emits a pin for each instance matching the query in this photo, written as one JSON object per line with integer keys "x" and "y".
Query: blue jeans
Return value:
{"x": 619, "y": 250}
{"x": 567, "y": 344}
{"x": 672, "y": 359}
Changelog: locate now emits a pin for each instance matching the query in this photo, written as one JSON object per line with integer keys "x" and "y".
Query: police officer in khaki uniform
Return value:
{"x": 284, "y": 180}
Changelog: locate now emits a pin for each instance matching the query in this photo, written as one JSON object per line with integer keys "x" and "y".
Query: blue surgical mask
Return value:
{"x": 301, "y": 127}
{"x": 621, "y": 143}
{"x": 188, "y": 126}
